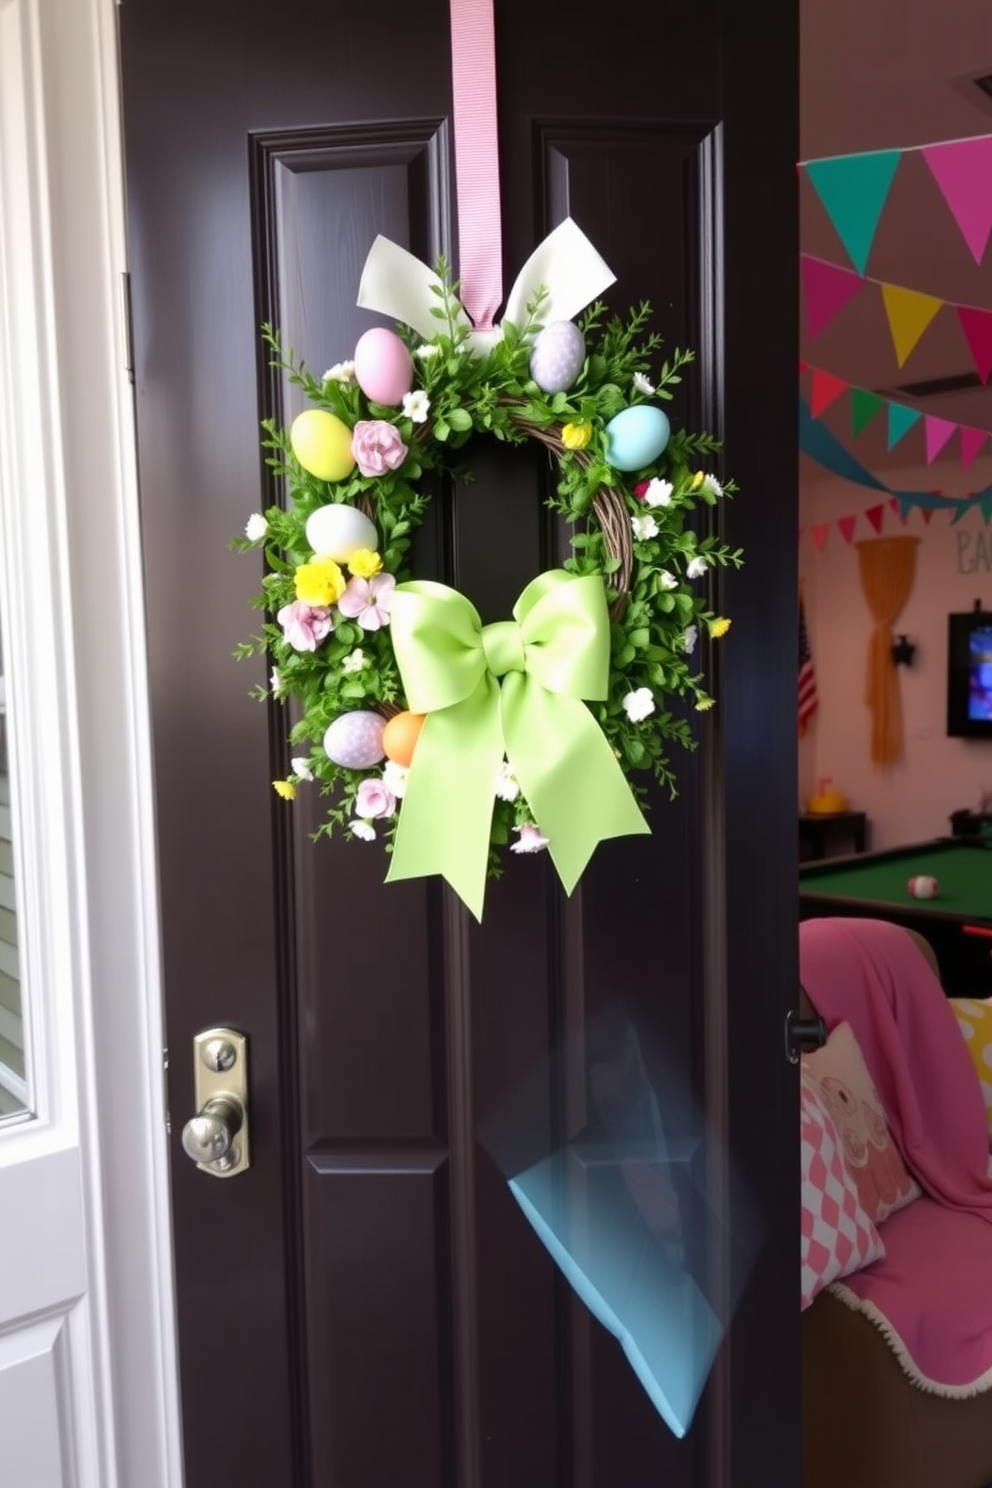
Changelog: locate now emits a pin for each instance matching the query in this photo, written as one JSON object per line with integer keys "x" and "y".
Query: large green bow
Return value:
{"x": 551, "y": 655}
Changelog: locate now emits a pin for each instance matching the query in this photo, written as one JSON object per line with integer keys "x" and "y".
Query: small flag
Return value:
{"x": 807, "y": 676}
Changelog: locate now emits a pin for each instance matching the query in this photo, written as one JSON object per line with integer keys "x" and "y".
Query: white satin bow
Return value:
{"x": 566, "y": 264}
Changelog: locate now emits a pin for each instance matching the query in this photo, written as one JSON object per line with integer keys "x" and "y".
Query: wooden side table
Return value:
{"x": 823, "y": 835}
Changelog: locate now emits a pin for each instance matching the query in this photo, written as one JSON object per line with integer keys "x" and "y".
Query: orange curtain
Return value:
{"x": 888, "y": 568}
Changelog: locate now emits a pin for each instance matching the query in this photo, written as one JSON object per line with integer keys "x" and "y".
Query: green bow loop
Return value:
{"x": 554, "y": 653}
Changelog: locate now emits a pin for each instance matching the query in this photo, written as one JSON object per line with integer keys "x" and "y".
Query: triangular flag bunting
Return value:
{"x": 905, "y": 507}
{"x": 896, "y": 507}
{"x": 986, "y": 509}
{"x": 875, "y": 515}
{"x": 853, "y": 189}
{"x": 971, "y": 442}
{"x": 927, "y": 512}
{"x": 826, "y": 389}
{"x": 977, "y": 327}
{"x": 901, "y": 420}
{"x": 963, "y": 171}
{"x": 909, "y": 313}
{"x": 828, "y": 288}
{"x": 962, "y": 509}
{"x": 847, "y": 525}
{"x": 819, "y": 536}
{"x": 864, "y": 406}
{"x": 937, "y": 432}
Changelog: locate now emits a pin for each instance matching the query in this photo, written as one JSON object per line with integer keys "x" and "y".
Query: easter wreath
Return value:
{"x": 451, "y": 739}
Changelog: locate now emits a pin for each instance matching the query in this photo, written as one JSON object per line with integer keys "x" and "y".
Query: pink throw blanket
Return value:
{"x": 932, "y": 1295}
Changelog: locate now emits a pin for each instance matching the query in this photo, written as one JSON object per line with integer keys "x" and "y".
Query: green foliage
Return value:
{"x": 659, "y": 636}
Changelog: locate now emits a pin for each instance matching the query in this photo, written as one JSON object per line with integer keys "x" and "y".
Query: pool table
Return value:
{"x": 958, "y": 923}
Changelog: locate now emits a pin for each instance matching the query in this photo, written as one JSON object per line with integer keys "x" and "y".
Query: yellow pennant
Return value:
{"x": 909, "y": 313}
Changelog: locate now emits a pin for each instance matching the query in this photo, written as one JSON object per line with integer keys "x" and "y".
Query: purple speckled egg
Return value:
{"x": 355, "y": 740}
{"x": 557, "y": 355}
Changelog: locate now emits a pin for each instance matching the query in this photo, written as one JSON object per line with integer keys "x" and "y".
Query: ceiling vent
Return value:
{"x": 934, "y": 387}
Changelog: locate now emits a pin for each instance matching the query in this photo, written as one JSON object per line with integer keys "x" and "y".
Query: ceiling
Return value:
{"x": 884, "y": 74}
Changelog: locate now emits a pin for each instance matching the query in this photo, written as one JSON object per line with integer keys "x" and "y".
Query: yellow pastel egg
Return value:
{"x": 322, "y": 444}
{"x": 399, "y": 737}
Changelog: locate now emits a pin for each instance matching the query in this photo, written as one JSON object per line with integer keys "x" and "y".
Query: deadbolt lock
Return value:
{"x": 217, "y": 1137}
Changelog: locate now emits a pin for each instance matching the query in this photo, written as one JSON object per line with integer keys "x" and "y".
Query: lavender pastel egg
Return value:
{"x": 557, "y": 356}
{"x": 355, "y": 740}
{"x": 383, "y": 367}
{"x": 635, "y": 437}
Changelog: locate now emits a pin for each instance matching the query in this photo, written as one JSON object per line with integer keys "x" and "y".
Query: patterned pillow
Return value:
{"x": 873, "y": 1160}
{"x": 975, "y": 1021}
{"x": 838, "y": 1237}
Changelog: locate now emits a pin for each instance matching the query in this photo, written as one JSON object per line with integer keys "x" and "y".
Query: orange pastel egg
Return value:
{"x": 399, "y": 737}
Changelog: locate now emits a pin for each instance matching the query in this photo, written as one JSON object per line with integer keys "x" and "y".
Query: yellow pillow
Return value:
{"x": 975, "y": 1021}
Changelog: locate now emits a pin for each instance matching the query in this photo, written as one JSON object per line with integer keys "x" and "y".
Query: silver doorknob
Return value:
{"x": 208, "y": 1137}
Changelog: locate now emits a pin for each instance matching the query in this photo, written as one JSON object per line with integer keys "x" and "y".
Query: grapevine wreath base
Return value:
{"x": 449, "y": 739}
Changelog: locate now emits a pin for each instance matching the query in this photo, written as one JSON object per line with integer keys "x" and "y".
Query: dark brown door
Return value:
{"x": 368, "y": 1307}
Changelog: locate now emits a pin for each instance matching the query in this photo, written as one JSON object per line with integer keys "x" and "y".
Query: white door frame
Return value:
{"x": 81, "y": 724}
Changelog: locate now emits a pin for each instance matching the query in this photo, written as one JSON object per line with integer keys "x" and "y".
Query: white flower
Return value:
{"x": 712, "y": 485}
{"x": 641, "y": 384}
{"x": 667, "y": 580}
{"x": 301, "y": 768}
{"x": 256, "y": 527}
{"x": 532, "y": 839}
{"x": 394, "y": 778}
{"x": 276, "y": 683}
{"x": 354, "y": 661}
{"x": 639, "y": 705}
{"x": 507, "y": 784}
{"x": 689, "y": 638}
{"x": 644, "y": 527}
{"x": 696, "y": 568}
{"x": 427, "y": 351}
{"x": 658, "y": 493}
{"x": 416, "y": 406}
{"x": 363, "y": 829}
{"x": 340, "y": 372}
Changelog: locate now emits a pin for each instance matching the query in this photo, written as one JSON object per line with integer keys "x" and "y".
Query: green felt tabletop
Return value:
{"x": 964, "y": 875}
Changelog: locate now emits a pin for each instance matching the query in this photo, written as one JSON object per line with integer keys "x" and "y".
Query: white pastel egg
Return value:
{"x": 339, "y": 530}
{"x": 557, "y": 356}
{"x": 354, "y": 740}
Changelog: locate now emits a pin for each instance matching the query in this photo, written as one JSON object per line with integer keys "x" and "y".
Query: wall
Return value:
{"x": 911, "y": 800}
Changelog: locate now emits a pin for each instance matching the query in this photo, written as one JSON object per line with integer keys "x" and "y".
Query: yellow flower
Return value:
{"x": 697, "y": 480}
{"x": 704, "y": 704}
{"x": 284, "y": 788}
{"x": 719, "y": 627}
{"x": 363, "y": 563}
{"x": 576, "y": 436}
{"x": 319, "y": 582}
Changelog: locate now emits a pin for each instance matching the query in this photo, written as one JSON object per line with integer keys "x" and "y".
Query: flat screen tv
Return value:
{"x": 969, "y": 675}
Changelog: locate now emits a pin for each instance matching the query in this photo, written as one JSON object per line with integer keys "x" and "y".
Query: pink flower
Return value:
{"x": 305, "y": 626}
{"x": 377, "y": 447}
{"x": 368, "y": 600}
{"x": 532, "y": 839}
{"x": 374, "y": 800}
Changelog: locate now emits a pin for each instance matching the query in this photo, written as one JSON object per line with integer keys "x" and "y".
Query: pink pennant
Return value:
{"x": 963, "y": 171}
{"x": 937, "y": 432}
{"x": 971, "y": 442}
{"x": 875, "y": 515}
{"x": 847, "y": 526}
{"x": 977, "y": 327}
{"x": 819, "y": 535}
{"x": 826, "y": 389}
{"x": 828, "y": 289}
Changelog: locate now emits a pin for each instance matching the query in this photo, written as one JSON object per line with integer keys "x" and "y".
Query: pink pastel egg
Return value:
{"x": 355, "y": 740}
{"x": 383, "y": 367}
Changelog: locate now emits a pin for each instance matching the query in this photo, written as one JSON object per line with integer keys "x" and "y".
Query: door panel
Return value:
{"x": 392, "y": 1318}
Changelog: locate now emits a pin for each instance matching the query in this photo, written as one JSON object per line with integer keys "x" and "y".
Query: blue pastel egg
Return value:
{"x": 557, "y": 356}
{"x": 635, "y": 437}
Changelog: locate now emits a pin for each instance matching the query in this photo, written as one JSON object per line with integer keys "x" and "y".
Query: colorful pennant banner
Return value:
{"x": 828, "y": 288}
{"x": 817, "y": 441}
{"x": 898, "y": 508}
{"x": 826, "y": 389}
{"x": 854, "y": 189}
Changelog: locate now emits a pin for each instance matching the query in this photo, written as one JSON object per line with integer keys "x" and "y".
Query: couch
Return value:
{"x": 865, "y": 1423}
